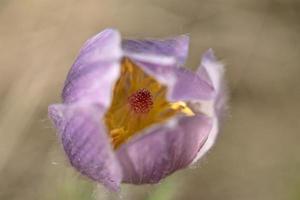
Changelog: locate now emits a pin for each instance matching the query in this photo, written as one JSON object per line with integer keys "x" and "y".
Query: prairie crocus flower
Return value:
{"x": 131, "y": 113}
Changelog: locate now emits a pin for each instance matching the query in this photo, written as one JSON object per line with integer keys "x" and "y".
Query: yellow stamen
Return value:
{"x": 180, "y": 105}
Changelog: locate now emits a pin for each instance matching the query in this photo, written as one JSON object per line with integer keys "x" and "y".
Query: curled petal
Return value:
{"x": 85, "y": 142}
{"x": 95, "y": 71}
{"x": 212, "y": 72}
{"x": 149, "y": 157}
{"x": 168, "y": 51}
{"x": 210, "y": 140}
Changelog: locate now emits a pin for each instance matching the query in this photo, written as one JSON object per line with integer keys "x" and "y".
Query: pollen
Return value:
{"x": 141, "y": 101}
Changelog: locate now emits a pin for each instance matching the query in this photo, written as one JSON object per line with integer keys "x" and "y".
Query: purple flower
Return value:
{"x": 131, "y": 113}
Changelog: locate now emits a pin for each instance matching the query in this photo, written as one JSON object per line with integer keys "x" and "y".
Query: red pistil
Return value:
{"x": 141, "y": 101}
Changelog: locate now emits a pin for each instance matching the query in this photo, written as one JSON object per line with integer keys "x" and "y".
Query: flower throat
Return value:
{"x": 139, "y": 101}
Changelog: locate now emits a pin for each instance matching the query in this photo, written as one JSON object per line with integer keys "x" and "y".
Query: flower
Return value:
{"x": 131, "y": 113}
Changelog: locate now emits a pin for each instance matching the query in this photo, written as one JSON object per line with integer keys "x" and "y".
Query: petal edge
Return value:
{"x": 147, "y": 50}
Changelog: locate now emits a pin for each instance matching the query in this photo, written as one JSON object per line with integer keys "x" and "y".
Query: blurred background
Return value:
{"x": 257, "y": 153}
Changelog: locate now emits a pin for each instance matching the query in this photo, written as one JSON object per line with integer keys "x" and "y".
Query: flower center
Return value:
{"x": 138, "y": 102}
{"x": 141, "y": 101}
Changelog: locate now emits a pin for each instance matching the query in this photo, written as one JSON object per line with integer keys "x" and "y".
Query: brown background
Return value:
{"x": 257, "y": 153}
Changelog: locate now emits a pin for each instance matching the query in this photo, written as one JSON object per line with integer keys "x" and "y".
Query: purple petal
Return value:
{"x": 95, "y": 71}
{"x": 92, "y": 85}
{"x": 149, "y": 157}
{"x": 183, "y": 84}
{"x": 86, "y": 143}
{"x": 212, "y": 71}
{"x": 210, "y": 140}
{"x": 173, "y": 49}
{"x": 105, "y": 47}
{"x": 188, "y": 86}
